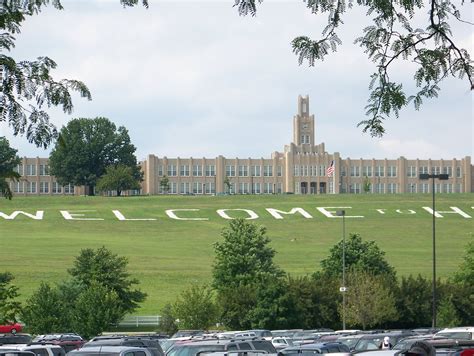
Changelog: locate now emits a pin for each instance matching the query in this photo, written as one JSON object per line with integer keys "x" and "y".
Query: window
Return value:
{"x": 279, "y": 188}
{"x": 44, "y": 170}
{"x": 243, "y": 171}
{"x": 210, "y": 170}
{"x": 19, "y": 169}
{"x": 448, "y": 170}
{"x": 18, "y": 187}
{"x": 379, "y": 171}
{"x": 160, "y": 170}
{"x": 268, "y": 188}
{"x": 68, "y": 189}
{"x": 296, "y": 171}
{"x": 173, "y": 188}
{"x": 423, "y": 170}
{"x": 322, "y": 170}
{"x": 197, "y": 170}
{"x": 314, "y": 171}
{"x": 458, "y": 172}
{"x": 172, "y": 172}
{"x": 255, "y": 171}
{"x": 458, "y": 188}
{"x": 355, "y": 188}
{"x": 185, "y": 188}
{"x": 230, "y": 171}
{"x": 184, "y": 170}
{"x": 391, "y": 188}
{"x": 31, "y": 187}
{"x": 411, "y": 172}
{"x": 44, "y": 187}
{"x": 411, "y": 188}
{"x": 243, "y": 188}
{"x": 391, "y": 171}
{"x": 355, "y": 171}
{"x": 197, "y": 188}
{"x": 379, "y": 188}
{"x": 424, "y": 188}
{"x": 367, "y": 171}
{"x": 56, "y": 188}
{"x": 279, "y": 171}
{"x": 448, "y": 188}
{"x": 210, "y": 188}
{"x": 268, "y": 171}
{"x": 30, "y": 169}
{"x": 256, "y": 188}
{"x": 435, "y": 170}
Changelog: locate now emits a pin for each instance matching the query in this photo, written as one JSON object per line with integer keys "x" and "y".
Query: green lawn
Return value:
{"x": 166, "y": 255}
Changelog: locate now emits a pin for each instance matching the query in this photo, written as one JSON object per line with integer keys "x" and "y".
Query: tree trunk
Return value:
{"x": 119, "y": 192}
{"x": 90, "y": 190}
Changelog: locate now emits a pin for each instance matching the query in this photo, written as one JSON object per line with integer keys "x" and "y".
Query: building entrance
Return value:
{"x": 313, "y": 188}
{"x": 322, "y": 188}
{"x": 304, "y": 188}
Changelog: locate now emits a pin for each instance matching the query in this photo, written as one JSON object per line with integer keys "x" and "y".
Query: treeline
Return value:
{"x": 249, "y": 290}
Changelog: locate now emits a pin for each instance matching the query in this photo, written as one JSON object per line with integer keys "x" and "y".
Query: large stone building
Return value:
{"x": 302, "y": 168}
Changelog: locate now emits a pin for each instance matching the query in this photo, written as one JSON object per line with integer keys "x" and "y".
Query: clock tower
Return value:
{"x": 303, "y": 124}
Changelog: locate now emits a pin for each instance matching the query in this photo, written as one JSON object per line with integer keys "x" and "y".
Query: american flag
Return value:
{"x": 330, "y": 169}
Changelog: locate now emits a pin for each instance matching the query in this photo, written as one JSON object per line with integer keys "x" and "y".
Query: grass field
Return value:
{"x": 166, "y": 255}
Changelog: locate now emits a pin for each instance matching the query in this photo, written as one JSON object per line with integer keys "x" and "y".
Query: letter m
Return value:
{"x": 38, "y": 216}
{"x": 277, "y": 213}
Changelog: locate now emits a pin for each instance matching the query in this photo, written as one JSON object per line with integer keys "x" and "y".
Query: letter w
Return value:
{"x": 38, "y": 216}
{"x": 276, "y": 213}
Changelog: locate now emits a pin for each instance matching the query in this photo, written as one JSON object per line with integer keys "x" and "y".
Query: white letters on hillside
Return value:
{"x": 332, "y": 213}
{"x": 172, "y": 215}
{"x": 222, "y": 213}
{"x": 454, "y": 210}
{"x": 38, "y": 216}
{"x": 75, "y": 216}
{"x": 276, "y": 213}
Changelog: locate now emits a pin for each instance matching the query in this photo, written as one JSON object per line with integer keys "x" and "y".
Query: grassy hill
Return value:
{"x": 166, "y": 254}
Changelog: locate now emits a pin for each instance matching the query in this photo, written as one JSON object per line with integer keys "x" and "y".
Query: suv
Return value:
{"x": 67, "y": 341}
{"x": 462, "y": 333}
{"x": 39, "y": 350}
{"x": 317, "y": 348}
{"x": 9, "y": 339}
{"x": 110, "y": 351}
{"x": 192, "y": 348}
{"x": 151, "y": 344}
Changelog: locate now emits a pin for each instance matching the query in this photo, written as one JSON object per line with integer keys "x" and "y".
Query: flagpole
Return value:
{"x": 334, "y": 179}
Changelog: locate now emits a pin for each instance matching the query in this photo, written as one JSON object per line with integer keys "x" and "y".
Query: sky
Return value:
{"x": 195, "y": 79}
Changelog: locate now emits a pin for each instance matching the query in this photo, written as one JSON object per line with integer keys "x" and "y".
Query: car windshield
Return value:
{"x": 461, "y": 335}
{"x": 366, "y": 344}
{"x": 192, "y": 350}
{"x": 404, "y": 344}
{"x": 349, "y": 342}
{"x": 299, "y": 352}
{"x": 15, "y": 339}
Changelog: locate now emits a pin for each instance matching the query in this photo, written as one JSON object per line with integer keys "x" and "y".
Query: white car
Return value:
{"x": 461, "y": 333}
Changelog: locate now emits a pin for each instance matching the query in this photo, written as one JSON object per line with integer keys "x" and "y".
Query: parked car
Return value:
{"x": 110, "y": 351}
{"x": 11, "y": 328}
{"x": 192, "y": 348}
{"x": 317, "y": 348}
{"x": 39, "y": 350}
{"x": 373, "y": 341}
{"x": 151, "y": 344}
{"x": 16, "y": 353}
{"x": 9, "y": 339}
{"x": 67, "y": 341}
{"x": 463, "y": 333}
{"x": 281, "y": 343}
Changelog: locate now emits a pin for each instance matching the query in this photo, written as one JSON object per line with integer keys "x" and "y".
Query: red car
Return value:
{"x": 11, "y": 328}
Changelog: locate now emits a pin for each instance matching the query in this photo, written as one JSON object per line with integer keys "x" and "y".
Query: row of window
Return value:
{"x": 412, "y": 171}
{"x": 210, "y": 188}
{"x": 393, "y": 188}
{"x": 42, "y": 188}
{"x": 30, "y": 169}
{"x": 210, "y": 170}
{"x": 309, "y": 171}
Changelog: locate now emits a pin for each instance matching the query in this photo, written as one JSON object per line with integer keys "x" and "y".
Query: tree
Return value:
{"x": 118, "y": 178}
{"x": 447, "y": 314}
{"x": 465, "y": 274}
{"x": 243, "y": 256}
{"x": 103, "y": 267}
{"x": 368, "y": 302}
{"x": 27, "y": 87}
{"x": 195, "y": 308}
{"x": 10, "y": 307}
{"x": 86, "y": 147}
{"x": 8, "y": 162}
{"x": 167, "y": 322}
{"x": 243, "y": 265}
{"x": 227, "y": 184}
{"x": 393, "y": 36}
{"x": 165, "y": 184}
{"x": 359, "y": 255}
{"x": 413, "y": 302}
{"x": 367, "y": 185}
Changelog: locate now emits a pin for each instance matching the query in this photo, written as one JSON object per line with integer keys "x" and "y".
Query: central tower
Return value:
{"x": 303, "y": 124}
